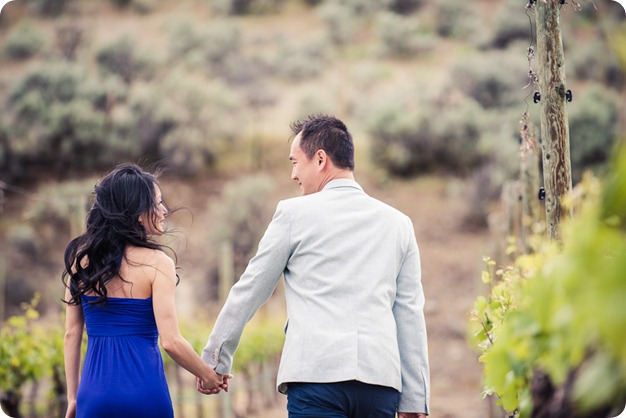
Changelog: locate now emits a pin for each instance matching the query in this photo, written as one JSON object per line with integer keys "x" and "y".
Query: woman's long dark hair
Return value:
{"x": 93, "y": 259}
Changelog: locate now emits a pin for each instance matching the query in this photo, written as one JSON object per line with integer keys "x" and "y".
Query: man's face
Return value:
{"x": 304, "y": 170}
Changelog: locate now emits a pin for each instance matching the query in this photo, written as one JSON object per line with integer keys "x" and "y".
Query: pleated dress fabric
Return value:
{"x": 123, "y": 375}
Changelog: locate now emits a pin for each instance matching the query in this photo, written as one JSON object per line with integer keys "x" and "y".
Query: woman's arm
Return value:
{"x": 74, "y": 326}
{"x": 172, "y": 341}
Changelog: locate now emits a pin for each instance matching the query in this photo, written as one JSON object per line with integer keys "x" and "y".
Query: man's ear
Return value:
{"x": 321, "y": 158}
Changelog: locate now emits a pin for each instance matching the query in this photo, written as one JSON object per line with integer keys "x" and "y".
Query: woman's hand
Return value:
{"x": 214, "y": 384}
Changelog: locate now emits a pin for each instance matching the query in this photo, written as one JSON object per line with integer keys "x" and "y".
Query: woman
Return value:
{"x": 121, "y": 284}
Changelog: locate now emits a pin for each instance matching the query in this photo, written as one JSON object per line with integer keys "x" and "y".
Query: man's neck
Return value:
{"x": 335, "y": 175}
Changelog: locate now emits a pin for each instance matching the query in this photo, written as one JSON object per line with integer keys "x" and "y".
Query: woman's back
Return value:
{"x": 123, "y": 372}
{"x": 137, "y": 273}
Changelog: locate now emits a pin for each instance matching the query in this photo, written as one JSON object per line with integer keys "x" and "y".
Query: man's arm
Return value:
{"x": 408, "y": 311}
{"x": 252, "y": 290}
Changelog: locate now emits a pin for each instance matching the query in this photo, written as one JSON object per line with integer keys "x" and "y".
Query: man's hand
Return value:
{"x": 216, "y": 390}
{"x": 411, "y": 415}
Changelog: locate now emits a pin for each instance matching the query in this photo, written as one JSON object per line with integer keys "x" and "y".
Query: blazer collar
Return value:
{"x": 337, "y": 183}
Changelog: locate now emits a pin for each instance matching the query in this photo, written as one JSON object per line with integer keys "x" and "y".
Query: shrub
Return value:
{"x": 551, "y": 344}
{"x": 6, "y": 166}
{"x": 186, "y": 110}
{"x": 594, "y": 61}
{"x": 22, "y": 239}
{"x": 404, "y": 6}
{"x": 242, "y": 215}
{"x": 594, "y": 129}
{"x": 183, "y": 38}
{"x": 302, "y": 60}
{"x": 408, "y": 141}
{"x": 221, "y": 41}
{"x": 142, "y": 6}
{"x": 494, "y": 79}
{"x": 69, "y": 38}
{"x": 60, "y": 121}
{"x": 23, "y": 42}
{"x": 186, "y": 150}
{"x": 340, "y": 21}
{"x": 511, "y": 24}
{"x": 244, "y": 7}
{"x": 53, "y": 82}
{"x": 365, "y": 7}
{"x": 456, "y": 20}
{"x": 51, "y": 8}
{"x": 122, "y": 59}
{"x": 400, "y": 36}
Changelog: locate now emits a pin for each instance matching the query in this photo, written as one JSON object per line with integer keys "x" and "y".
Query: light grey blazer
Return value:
{"x": 353, "y": 290}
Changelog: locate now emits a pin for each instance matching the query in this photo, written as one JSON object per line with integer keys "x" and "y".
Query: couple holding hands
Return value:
{"x": 355, "y": 344}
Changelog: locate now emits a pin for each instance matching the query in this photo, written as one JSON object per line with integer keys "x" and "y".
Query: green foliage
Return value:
{"x": 340, "y": 22}
{"x": 187, "y": 149}
{"x": 141, "y": 6}
{"x": 23, "y": 42}
{"x": 404, "y": 6}
{"x": 220, "y": 41}
{"x": 409, "y": 141}
{"x": 69, "y": 36}
{"x": 23, "y": 239}
{"x": 401, "y": 36}
{"x": 455, "y": 20}
{"x": 57, "y": 121}
{"x": 50, "y": 8}
{"x": 55, "y": 205}
{"x": 242, "y": 216}
{"x": 183, "y": 38}
{"x": 303, "y": 60}
{"x": 560, "y": 309}
{"x": 53, "y": 82}
{"x": 510, "y": 24}
{"x": 245, "y": 7}
{"x": 493, "y": 78}
{"x": 183, "y": 118}
{"x": 122, "y": 59}
{"x": 596, "y": 62}
{"x": 365, "y": 7}
{"x": 23, "y": 356}
{"x": 261, "y": 342}
{"x": 593, "y": 127}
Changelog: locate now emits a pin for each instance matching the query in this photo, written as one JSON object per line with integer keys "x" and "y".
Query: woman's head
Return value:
{"x": 128, "y": 200}
{"x": 127, "y": 210}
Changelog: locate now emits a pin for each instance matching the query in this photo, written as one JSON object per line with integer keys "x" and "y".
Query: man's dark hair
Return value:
{"x": 326, "y": 133}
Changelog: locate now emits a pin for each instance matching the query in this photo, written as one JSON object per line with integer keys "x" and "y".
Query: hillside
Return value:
{"x": 211, "y": 96}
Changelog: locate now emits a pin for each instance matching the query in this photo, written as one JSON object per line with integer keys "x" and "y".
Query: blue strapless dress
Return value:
{"x": 123, "y": 374}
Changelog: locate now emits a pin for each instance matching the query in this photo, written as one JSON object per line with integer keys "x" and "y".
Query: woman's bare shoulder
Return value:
{"x": 148, "y": 257}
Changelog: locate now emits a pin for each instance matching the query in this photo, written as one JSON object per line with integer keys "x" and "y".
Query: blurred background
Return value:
{"x": 432, "y": 91}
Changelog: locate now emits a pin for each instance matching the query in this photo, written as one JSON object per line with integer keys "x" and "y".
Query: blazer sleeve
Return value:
{"x": 253, "y": 289}
{"x": 408, "y": 311}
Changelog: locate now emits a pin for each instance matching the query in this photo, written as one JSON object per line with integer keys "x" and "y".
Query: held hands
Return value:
{"x": 214, "y": 385}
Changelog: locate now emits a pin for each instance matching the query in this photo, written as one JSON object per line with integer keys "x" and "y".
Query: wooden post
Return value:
{"x": 557, "y": 170}
{"x": 529, "y": 173}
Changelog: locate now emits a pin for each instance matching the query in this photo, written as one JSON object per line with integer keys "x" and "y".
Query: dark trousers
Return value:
{"x": 351, "y": 399}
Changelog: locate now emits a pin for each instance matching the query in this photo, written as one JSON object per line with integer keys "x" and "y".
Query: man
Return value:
{"x": 355, "y": 342}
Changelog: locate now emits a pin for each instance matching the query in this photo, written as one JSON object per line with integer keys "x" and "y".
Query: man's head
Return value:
{"x": 322, "y": 150}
